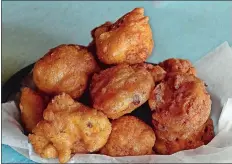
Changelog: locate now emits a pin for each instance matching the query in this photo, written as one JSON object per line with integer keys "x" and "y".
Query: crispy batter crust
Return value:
{"x": 65, "y": 68}
{"x": 128, "y": 40}
{"x": 181, "y": 105}
{"x": 173, "y": 65}
{"x": 129, "y": 137}
{"x": 31, "y": 106}
{"x": 69, "y": 127}
{"x": 157, "y": 72}
{"x": 202, "y": 136}
{"x": 120, "y": 89}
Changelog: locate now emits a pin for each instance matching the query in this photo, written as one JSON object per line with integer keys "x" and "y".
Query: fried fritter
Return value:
{"x": 120, "y": 89}
{"x": 173, "y": 65}
{"x": 31, "y": 106}
{"x": 181, "y": 105}
{"x": 128, "y": 40}
{"x": 69, "y": 127}
{"x": 201, "y": 137}
{"x": 65, "y": 68}
{"x": 129, "y": 137}
{"x": 157, "y": 72}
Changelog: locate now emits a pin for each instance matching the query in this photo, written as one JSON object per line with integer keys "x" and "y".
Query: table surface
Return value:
{"x": 180, "y": 29}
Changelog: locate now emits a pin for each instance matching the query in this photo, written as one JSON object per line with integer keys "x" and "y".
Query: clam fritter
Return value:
{"x": 200, "y": 137}
{"x": 120, "y": 89}
{"x": 65, "y": 68}
{"x": 181, "y": 105}
{"x": 128, "y": 40}
{"x": 129, "y": 137}
{"x": 173, "y": 65}
{"x": 32, "y": 105}
{"x": 69, "y": 127}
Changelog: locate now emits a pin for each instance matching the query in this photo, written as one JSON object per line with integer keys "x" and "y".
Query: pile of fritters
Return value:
{"x": 85, "y": 97}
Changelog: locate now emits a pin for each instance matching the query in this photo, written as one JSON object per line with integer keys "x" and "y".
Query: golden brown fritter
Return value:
{"x": 31, "y": 106}
{"x": 200, "y": 137}
{"x": 69, "y": 127}
{"x": 120, "y": 89}
{"x": 157, "y": 72}
{"x": 65, "y": 68}
{"x": 129, "y": 137}
{"x": 181, "y": 105}
{"x": 128, "y": 40}
{"x": 173, "y": 65}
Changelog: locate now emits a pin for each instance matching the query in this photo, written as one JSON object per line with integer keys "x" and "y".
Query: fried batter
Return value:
{"x": 31, "y": 106}
{"x": 181, "y": 105}
{"x": 129, "y": 137}
{"x": 128, "y": 40}
{"x": 120, "y": 89}
{"x": 173, "y": 65}
{"x": 202, "y": 136}
{"x": 69, "y": 127}
{"x": 65, "y": 68}
{"x": 157, "y": 72}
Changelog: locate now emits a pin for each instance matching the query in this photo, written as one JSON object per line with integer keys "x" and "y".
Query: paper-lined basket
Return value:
{"x": 215, "y": 69}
